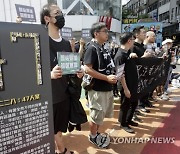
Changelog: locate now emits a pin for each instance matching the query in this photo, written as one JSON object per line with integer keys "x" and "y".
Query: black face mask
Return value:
{"x": 60, "y": 21}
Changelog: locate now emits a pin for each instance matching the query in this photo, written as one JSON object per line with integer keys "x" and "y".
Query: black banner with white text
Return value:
{"x": 143, "y": 75}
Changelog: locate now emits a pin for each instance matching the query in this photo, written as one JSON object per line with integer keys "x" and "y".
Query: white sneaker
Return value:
{"x": 168, "y": 91}
{"x": 178, "y": 83}
{"x": 178, "y": 62}
{"x": 175, "y": 83}
{"x": 164, "y": 97}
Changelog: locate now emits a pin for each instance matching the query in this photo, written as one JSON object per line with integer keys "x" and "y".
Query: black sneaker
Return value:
{"x": 71, "y": 127}
{"x": 152, "y": 99}
{"x": 132, "y": 123}
{"x": 149, "y": 104}
{"x": 128, "y": 129}
{"x": 78, "y": 127}
{"x": 101, "y": 140}
{"x": 65, "y": 150}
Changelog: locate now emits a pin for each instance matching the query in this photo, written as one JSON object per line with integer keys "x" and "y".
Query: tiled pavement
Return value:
{"x": 78, "y": 141}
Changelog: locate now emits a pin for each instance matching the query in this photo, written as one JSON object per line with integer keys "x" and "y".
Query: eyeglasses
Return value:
{"x": 105, "y": 31}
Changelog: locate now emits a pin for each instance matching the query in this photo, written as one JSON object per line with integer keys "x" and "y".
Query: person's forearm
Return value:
{"x": 95, "y": 74}
{"x": 123, "y": 82}
{"x": 81, "y": 50}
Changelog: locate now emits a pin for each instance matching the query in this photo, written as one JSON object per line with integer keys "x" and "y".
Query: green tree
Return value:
{"x": 126, "y": 13}
{"x": 143, "y": 16}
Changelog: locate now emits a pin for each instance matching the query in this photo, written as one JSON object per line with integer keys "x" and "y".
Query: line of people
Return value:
{"x": 100, "y": 64}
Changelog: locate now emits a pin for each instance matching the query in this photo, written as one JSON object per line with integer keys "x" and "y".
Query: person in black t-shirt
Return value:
{"x": 138, "y": 48}
{"x": 127, "y": 107}
{"x": 99, "y": 65}
{"x": 52, "y": 18}
{"x": 140, "y": 35}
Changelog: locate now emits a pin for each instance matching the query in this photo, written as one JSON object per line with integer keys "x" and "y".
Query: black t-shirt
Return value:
{"x": 59, "y": 86}
{"x": 91, "y": 57}
{"x": 138, "y": 49}
{"x": 113, "y": 52}
{"x": 121, "y": 57}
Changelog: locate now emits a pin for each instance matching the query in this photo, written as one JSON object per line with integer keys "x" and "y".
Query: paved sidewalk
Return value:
{"x": 78, "y": 141}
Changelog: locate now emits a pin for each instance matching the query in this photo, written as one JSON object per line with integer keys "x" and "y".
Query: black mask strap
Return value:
{"x": 47, "y": 25}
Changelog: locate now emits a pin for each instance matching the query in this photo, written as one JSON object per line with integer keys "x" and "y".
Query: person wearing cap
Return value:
{"x": 166, "y": 47}
{"x": 167, "y": 42}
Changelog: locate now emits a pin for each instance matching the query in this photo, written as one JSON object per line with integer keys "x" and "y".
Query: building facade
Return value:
{"x": 165, "y": 11}
{"x": 169, "y": 13}
{"x": 81, "y": 14}
{"x": 152, "y": 9}
{"x": 137, "y": 7}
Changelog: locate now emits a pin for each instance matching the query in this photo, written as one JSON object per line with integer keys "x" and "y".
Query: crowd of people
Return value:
{"x": 100, "y": 63}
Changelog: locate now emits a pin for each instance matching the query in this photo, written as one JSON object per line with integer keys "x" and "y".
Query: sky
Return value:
{"x": 124, "y": 1}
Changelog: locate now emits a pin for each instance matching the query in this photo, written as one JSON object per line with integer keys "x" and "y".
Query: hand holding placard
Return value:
{"x": 69, "y": 62}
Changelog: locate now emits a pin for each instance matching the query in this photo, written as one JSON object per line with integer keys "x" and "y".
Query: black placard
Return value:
{"x": 27, "y": 13}
{"x": 66, "y": 32}
{"x": 85, "y": 34}
{"x": 26, "y": 119}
